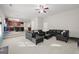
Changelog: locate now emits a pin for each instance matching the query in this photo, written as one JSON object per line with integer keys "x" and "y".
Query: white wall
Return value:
{"x": 2, "y": 26}
{"x": 45, "y": 26}
{"x": 2, "y": 17}
{"x": 26, "y": 25}
{"x": 40, "y": 23}
{"x": 68, "y": 20}
{"x": 37, "y": 23}
{"x": 34, "y": 24}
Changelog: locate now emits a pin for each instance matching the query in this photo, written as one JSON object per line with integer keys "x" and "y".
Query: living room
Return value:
{"x": 49, "y": 28}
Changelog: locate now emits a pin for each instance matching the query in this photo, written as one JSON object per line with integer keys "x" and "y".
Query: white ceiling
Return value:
{"x": 27, "y": 11}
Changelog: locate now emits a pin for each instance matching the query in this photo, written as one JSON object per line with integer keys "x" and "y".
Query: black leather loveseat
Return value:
{"x": 35, "y": 36}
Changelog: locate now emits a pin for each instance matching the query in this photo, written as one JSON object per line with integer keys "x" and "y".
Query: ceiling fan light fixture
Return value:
{"x": 42, "y": 9}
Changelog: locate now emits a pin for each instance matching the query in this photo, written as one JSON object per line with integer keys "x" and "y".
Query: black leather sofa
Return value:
{"x": 51, "y": 33}
{"x": 59, "y": 34}
{"x": 41, "y": 33}
{"x": 78, "y": 43}
{"x": 64, "y": 36}
{"x": 48, "y": 34}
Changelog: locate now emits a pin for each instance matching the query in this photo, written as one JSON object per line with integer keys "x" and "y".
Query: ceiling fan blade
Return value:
{"x": 46, "y": 8}
{"x": 44, "y": 11}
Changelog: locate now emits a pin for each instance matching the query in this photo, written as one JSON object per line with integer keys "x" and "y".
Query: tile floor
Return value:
{"x": 21, "y": 45}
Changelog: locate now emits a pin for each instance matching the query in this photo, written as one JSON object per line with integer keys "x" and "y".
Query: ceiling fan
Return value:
{"x": 42, "y": 8}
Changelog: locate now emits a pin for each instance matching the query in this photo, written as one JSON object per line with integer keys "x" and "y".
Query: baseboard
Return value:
{"x": 73, "y": 37}
{"x": 76, "y": 38}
